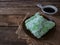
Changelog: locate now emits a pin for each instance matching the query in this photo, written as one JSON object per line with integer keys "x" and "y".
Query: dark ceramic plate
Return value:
{"x": 31, "y": 35}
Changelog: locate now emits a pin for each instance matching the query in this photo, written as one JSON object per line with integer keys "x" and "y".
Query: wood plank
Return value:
{"x": 7, "y": 42}
{"x": 6, "y": 32}
{"x": 20, "y": 7}
{"x": 8, "y": 36}
{"x": 11, "y": 20}
{"x": 15, "y": 4}
{"x": 23, "y": 4}
{"x": 14, "y": 0}
{"x": 15, "y": 10}
{"x": 49, "y": 0}
{"x": 30, "y": 0}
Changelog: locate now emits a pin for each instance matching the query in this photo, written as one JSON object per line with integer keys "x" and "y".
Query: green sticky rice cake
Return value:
{"x": 38, "y": 25}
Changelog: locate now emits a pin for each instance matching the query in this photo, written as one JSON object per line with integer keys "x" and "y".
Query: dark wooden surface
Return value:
{"x": 12, "y": 13}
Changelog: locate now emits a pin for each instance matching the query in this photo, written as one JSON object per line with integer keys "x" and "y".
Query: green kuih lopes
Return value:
{"x": 38, "y": 25}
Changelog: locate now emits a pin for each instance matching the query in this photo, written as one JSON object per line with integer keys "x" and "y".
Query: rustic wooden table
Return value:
{"x": 12, "y": 13}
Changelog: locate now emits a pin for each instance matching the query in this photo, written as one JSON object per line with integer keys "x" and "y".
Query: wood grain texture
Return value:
{"x": 12, "y": 12}
{"x": 20, "y": 7}
{"x": 29, "y": 0}
{"x": 8, "y": 36}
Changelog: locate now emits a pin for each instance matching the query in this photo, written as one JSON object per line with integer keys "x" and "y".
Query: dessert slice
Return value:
{"x": 38, "y": 25}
